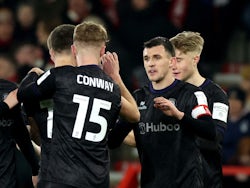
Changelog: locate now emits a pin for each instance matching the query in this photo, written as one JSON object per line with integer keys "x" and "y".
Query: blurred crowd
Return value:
{"x": 25, "y": 25}
{"x": 224, "y": 24}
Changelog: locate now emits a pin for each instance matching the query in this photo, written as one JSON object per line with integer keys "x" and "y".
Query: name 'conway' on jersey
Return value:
{"x": 86, "y": 104}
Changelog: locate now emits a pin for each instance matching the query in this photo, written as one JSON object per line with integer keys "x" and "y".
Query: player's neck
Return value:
{"x": 88, "y": 59}
{"x": 64, "y": 60}
{"x": 163, "y": 83}
{"x": 196, "y": 79}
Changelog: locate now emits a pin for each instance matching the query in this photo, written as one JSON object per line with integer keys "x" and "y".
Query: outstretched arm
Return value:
{"x": 22, "y": 137}
{"x": 33, "y": 87}
{"x": 203, "y": 126}
{"x": 121, "y": 133}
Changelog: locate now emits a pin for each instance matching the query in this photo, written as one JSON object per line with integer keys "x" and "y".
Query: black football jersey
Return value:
{"x": 42, "y": 113}
{"x": 86, "y": 104}
{"x": 167, "y": 148}
{"x": 212, "y": 150}
{"x": 12, "y": 131}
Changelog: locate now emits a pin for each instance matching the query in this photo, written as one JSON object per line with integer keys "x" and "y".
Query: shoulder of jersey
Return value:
{"x": 215, "y": 88}
{"x": 6, "y": 84}
{"x": 190, "y": 87}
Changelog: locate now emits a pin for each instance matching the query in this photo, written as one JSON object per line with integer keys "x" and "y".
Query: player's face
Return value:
{"x": 184, "y": 66}
{"x": 156, "y": 63}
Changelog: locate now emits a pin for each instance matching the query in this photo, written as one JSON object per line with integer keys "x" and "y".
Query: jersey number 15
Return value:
{"x": 98, "y": 104}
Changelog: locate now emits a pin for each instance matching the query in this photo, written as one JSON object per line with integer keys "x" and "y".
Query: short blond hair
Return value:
{"x": 188, "y": 41}
{"x": 90, "y": 33}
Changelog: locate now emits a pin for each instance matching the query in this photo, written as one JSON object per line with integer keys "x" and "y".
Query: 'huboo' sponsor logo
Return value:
{"x": 161, "y": 127}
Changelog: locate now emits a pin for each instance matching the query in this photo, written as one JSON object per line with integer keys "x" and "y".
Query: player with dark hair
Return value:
{"x": 87, "y": 103}
{"x": 188, "y": 47}
{"x": 13, "y": 131}
{"x": 173, "y": 114}
{"x": 59, "y": 44}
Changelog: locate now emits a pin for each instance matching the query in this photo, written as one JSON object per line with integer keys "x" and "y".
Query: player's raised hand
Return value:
{"x": 11, "y": 99}
{"x": 110, "y": 64}
{"x": 37, "y": 70}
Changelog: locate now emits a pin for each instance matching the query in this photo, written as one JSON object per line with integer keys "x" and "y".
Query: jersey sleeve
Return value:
{"x": 29, "y": 108}
{"x": 200, "y": 118}
{"x": 220, "y": 110}
{"x": 34, "y": 88}
{"x": 3, "y": 108}
{"x": 118, "y": 133}
{"x": 121, "y": 129}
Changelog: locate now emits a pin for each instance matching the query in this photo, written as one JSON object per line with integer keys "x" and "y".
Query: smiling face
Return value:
{"x": 185, "y": 65}
{"x": 157, "y": 62}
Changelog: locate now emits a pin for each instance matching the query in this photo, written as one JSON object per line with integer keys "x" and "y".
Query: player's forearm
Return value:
{"x": 129, "y": 109}
{"x": 9, "y": 102}
{"x": 118, "y": 133}
{"x": 203, "y": 127}
{"x": 11, "y": 99}
{"x": 124, "y": 91}
{"x": 130, "y": 139}
{"x": 22, "y": 138}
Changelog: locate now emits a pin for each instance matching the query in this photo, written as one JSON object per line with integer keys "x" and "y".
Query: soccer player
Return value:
{"x": 173, "y": 114}
{"x": 87, "y": 103}
{"x": 59, "y": 44}
{"x": 13, "y": 131}
{"x": 188, "y": 48}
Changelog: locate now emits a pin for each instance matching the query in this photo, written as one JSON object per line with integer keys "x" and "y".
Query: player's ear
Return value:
{"x": 172, "y": 61}
{"x": 196, "y": 59}
{"x": 52, "y": 54}
{"x": 102, "y": 52}
{"x": 73, "y": 50}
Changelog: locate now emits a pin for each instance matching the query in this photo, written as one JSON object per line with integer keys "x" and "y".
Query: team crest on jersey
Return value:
{"x": 172, "y": 100}
{"x": 142, "y": 128}
{"x": 142, "y": 106}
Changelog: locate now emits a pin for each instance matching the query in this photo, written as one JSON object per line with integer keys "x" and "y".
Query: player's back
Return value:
{"x": 86, "y": 105}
